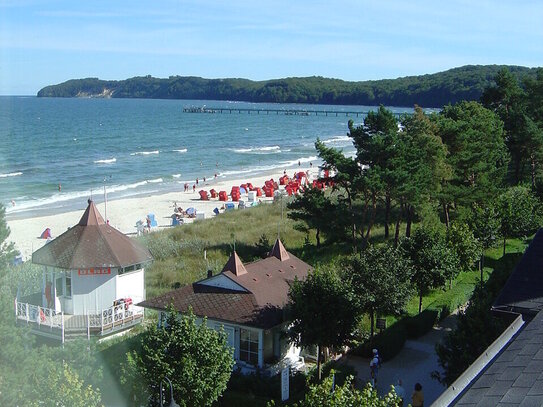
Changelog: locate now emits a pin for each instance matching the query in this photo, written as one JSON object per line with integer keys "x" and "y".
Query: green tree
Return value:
{"x": 523, "y": 137}
{"x": 461, "y": 240}
{"x": 476, "y": 153}
{"x": 325, "y": 394}
{"x": 380, "y": 277}
{"x": 7, "y": 249}
{"x": 475, "y": 330}
{"x": 193, "y": 356}
{"x": 311, "y": 207}
{"x": 323, "y": 311}
{"x": 375, "y": 142}
{"x": 346, "y": 179}
{"x": 420, "y": 167}
{"x": 431, "y": 259}
{"x": 519, "y": 211}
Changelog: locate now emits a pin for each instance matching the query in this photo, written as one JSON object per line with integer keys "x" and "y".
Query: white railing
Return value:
{"x": 39, "y": 315}
{"x": 105, "y": 321}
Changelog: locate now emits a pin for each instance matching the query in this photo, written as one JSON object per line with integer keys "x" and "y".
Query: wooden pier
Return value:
{"x": 287, "y": 112}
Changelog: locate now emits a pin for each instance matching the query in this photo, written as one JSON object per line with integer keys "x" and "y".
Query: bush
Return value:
{"x": 389, "y": 342}
{"x": 418, "y": 325}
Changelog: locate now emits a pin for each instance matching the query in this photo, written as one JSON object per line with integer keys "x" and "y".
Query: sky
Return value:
{"x": 49, "y": 42}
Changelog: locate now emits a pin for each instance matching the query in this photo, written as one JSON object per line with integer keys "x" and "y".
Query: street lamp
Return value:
{"x": 172, "y": 401}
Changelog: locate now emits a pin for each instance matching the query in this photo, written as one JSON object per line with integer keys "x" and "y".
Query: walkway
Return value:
{"x": 415, "y": 363}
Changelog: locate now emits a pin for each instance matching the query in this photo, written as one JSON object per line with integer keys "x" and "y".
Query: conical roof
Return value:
{"x": 234, "y": 265}
{"x": 91, "y": 243}
{"x": 279, "y": 251}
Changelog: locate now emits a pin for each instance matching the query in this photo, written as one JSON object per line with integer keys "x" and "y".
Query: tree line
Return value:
{"x": 434, "y": 90}
{"x": 441, "y": 187}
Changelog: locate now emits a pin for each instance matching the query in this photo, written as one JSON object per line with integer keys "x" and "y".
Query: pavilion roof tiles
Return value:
{"x": 91, "y": 243}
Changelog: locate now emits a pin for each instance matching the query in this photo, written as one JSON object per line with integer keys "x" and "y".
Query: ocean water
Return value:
{"x": 142, "y": 146}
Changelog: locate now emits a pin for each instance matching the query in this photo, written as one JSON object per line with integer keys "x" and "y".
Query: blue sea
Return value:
{"x": 136, "y": 147}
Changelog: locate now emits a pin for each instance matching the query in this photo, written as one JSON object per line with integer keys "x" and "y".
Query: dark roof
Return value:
{"x": 267, "y": 283}
{"x": 515, "y": 377}
{"x": 91, "y": 243}
{"x": 523, "y": 291}
{"x": 218, "y": 304}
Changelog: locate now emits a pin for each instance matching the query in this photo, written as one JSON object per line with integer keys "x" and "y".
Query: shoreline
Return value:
{"x": 123, "y": 213}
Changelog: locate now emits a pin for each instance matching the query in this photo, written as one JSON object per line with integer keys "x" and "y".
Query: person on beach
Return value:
{"x": 59, "y": 187}
{"x": 196, "y": 181}
{"x": 193, "y": 187}
{"x": 215, "y": 175}
{"x": 417, "y": 399}
{"x": 204, "y": 180}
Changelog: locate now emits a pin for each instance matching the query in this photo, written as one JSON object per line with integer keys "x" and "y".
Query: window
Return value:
{"x": 68, "y": 285}
{"x": 59, "y": 289}
{"x": 248, "y": 346}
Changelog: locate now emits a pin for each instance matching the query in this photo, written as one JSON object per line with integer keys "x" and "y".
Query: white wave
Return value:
{"x": 338, "y": 140}
{"x": 258, "y": 150}
{"x": 176, "y": 175}
{"x": 106, "y": 161}
{"x": 154, "y": 181}
{"x": 11, "y": 174}
{"x": 301, "y": 160}
{"x": 118, "y": 188}
{"x": 145, "y": 152}
{"x": 181, "y": 150}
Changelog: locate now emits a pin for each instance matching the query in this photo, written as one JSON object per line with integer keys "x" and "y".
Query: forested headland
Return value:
{"x": 432, "y": 90}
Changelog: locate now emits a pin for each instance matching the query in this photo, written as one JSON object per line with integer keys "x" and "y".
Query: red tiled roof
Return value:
{"x": 279, "y": 251}
{"x": 234, "y": 265}
{"x": 267, "y": 282}
{"x": 91, "y": 243}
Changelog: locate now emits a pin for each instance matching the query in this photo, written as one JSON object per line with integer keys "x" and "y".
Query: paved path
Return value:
{"x": 415, "y": 363}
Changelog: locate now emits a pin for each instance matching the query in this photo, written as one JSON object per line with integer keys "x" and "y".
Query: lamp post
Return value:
{"x": 172, "y": 401}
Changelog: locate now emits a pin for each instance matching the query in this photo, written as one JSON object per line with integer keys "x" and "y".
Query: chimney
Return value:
{"x": 209, "y": 273}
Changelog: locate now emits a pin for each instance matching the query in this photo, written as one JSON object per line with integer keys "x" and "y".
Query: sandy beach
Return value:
{"x": 124, "y": 213}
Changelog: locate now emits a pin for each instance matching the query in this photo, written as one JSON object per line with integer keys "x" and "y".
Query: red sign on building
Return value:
{"x": 94, "y": 271}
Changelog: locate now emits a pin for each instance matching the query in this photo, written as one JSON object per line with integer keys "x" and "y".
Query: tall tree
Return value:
{"x": 431, "y": 259}
{"x": 346, "y": 178}
{"x": 376, "y": 142}
{"x": 476, "y": 153}
{"x": 380, "y": 277}
{"x": 323, "y": 311}
{"x": 534, "y": 109}
{"x": 421, "y": 166}
{"x": 311, "y": 207}
{"x": 193, "y": 356}
{"x": 523, "y": 137}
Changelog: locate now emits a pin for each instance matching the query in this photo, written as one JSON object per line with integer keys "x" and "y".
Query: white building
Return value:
{"x": 92, "y": 276}
{"x": 246, "y": 301}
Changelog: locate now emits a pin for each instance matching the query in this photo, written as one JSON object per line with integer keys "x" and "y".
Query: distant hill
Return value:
{"x": 434, "y": 90}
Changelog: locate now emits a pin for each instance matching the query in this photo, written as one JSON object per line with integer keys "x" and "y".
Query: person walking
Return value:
{"x": 417, "y": 399}
{"x": 375, "y": 365}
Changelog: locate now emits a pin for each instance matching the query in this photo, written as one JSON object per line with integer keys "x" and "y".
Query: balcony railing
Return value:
{"x": 48, "y": 322}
